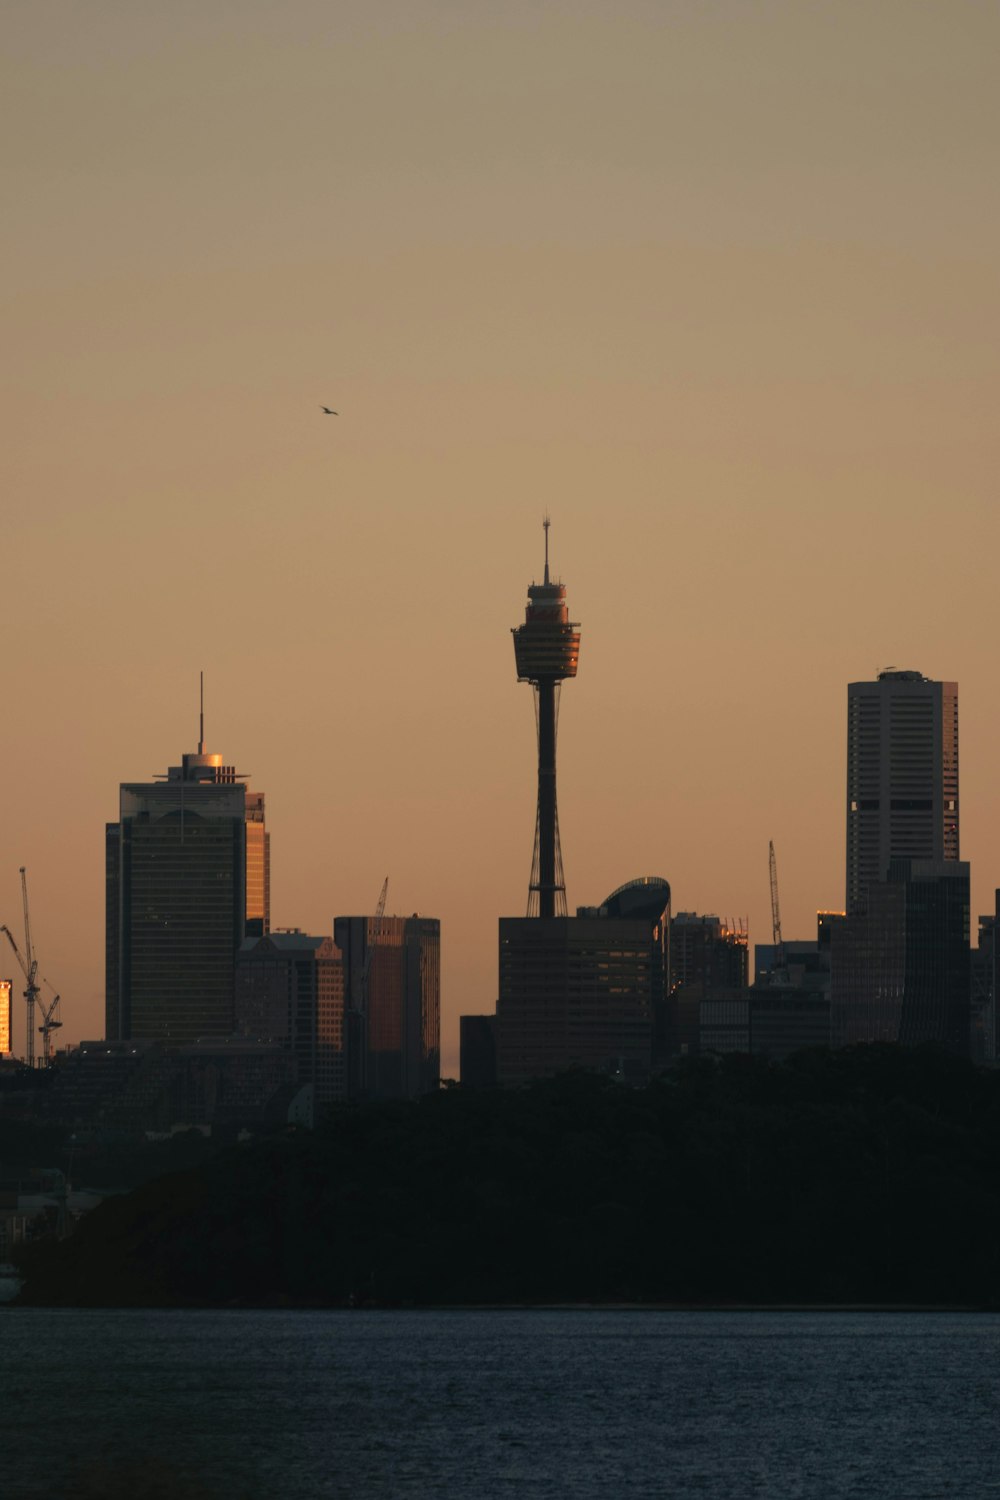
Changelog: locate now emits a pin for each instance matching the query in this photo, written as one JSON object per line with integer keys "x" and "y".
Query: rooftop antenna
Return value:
{"x": 201, "y": 715}
{"x": 546, "y": 524}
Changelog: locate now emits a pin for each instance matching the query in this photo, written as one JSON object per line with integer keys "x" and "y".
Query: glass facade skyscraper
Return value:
{"x": 187, "y": 878}
{"x": 901, "y": 965}
{"x": 392, "y": 971}
{"x": 290, "y": 990}
{"x": 900, "y": 960}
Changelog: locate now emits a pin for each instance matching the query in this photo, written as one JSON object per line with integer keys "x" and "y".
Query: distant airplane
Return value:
{"x": 329, "y": 412}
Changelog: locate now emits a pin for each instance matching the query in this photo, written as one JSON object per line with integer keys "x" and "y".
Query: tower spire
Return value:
{"x": 546, "y": 524}
{"x": 201, "y": 714}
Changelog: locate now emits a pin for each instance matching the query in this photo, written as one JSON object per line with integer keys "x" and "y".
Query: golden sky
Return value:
{"x": 713, "y": 282}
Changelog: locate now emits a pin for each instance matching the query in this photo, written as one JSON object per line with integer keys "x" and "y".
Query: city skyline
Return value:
{"x": 450, "y": 1012}
{"x": 716, "y": 289}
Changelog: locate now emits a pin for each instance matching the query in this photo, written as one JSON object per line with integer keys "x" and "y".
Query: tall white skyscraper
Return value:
{"x": 902, "y": 775}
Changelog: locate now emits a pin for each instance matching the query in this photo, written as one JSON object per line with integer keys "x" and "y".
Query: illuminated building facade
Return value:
{"x": 902, "y": 775}
{"x": 187, "y": 878}
{"x": 6, "y": 1017}
{"x": 392, "y": 974}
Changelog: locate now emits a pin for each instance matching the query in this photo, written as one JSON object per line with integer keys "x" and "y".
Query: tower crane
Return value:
{"x": 50, "y": 1023}
{"x": 29, "y": 967}
{"x": 778, "y": 963}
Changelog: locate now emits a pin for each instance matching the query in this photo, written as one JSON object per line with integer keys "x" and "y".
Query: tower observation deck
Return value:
{"x": 546, "y": 651}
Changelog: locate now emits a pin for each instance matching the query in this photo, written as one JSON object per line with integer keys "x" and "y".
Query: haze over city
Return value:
{"x": 712, "y": 284}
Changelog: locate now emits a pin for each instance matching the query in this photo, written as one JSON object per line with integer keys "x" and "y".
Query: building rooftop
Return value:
{"x": 284, "y": 942}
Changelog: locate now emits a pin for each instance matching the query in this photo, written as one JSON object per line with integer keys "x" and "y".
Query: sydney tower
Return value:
{"x": 546, "y": 650}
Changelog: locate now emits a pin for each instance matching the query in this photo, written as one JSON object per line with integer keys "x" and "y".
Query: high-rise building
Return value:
{"x": 900, "y": 964}
{"x": 771, "y": 1021}
{"x": 546, "y": 652}
{"x": 392, "y": 980}
{"x": 577, "y": 992}
{"x": 707, "y": 951}
{"x": 709, "y": 962}
{"x": 902, "y": 775}
{"x": 187, "y": 877}
{"x": 290, "y": 990}
{"x": 584, "y": 991}
{"x": 6, "y": 1017}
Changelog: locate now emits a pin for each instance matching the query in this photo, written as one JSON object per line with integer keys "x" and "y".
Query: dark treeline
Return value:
{"x": 869, "y": 1175}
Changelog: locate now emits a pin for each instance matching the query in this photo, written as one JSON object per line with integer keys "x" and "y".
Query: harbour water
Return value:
{"x": 535, "y": 1405}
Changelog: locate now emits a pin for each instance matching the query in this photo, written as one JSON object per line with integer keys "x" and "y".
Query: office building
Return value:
{"x": 584, "y": 991}
{"x": 187, "y": 876}
{"x": 709, "y": 961}
{"x": 647, "y": 900}
{"x": 392, "y": 986}
{"x": 900, "y": 964}
{"x": 785, "y": 1021}
{"x": 770, "y": 1021}
{"x": 723, "y": 1020}
{"x": 290, "y": 990}
{"x": 902, "y": 776}
{"x": 577, "y": 992}
{"x": 707, "y": 951}
{"x": 134, "y": 1088}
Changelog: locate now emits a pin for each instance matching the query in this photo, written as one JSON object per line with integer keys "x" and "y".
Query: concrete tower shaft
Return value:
{"x": 546, "y": 651}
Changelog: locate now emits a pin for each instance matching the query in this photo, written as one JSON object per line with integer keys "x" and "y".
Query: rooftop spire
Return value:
{"x": 546, "y": 524}
{"x": 201, "y": 715}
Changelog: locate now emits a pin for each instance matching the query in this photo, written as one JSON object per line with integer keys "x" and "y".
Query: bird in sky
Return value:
{"x": 329, "y": 412}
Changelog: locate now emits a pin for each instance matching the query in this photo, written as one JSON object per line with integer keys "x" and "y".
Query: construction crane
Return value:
{"x": 778, "y": 972}
{"x": 29, "y": 967}
{"x": 50, "y": 1023}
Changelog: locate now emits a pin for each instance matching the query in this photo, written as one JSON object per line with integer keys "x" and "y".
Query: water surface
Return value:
{"x": 377, "y": 1405}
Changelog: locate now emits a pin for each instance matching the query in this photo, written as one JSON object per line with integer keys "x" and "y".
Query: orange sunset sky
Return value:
{"x": 713, "y": 282}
